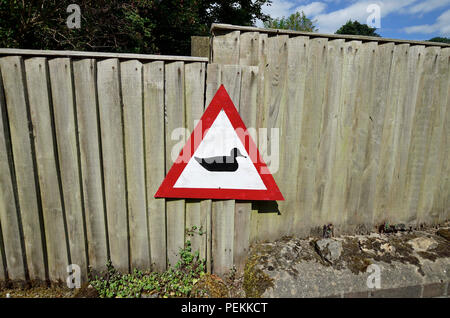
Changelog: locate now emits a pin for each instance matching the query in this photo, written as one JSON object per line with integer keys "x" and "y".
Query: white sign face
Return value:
{"x": 220, "y": 161}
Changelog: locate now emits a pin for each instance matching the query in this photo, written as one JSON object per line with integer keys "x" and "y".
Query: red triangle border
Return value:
{"x": 221, "y": 101}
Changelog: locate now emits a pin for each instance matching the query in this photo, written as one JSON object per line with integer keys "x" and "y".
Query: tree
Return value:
{"x": 356, "y": 28}
{"x": 137, "y": 26}
{"x": 296, "y": 21}
{"x": 440, "y": 39}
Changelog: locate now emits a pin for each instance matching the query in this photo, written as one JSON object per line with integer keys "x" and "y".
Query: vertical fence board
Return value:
{"x": 66, "y": 137}
{"x": 222, "y": 235}
{"x": 90, "y": 159}
{"x": 8, "y": 209}
{"x": 383, "y": 59}
{"x": 273, "y": 111}
{"x": 420, "y": 135}
{"x": 391, "y": 133}
{"x": 155, "y": 159}
{"x": 16, "y": 104}
{"x": 243, "y": 210}
{"x": 175, "y": 112}
{"x": 296, "y": 78}
{"x": 2, "y": 265}
{"x": 110, "y": 106}
{"x": 256, "y": 217}
{"x": 38, "y": 95}
{"x": 326, "y": 213}
{"x": 131, "y": 80}
{"x": 249, "y": 49}
{"x": 213, "y": 80}
{"x": 442, "y": 200}
{"x": 194, "y": 94}
{"x": 435, "y": 150}
{"x": 310, "y": 126}
{"x": 359, "y": 135}
{"x": 225, "y": 48}
{"x": 441, "y": 204}
{"x": 414, "y": 68}
{"x": 437, "y": 101}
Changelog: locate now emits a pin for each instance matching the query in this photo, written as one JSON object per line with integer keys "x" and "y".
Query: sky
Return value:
{"x": 399, "y": 19}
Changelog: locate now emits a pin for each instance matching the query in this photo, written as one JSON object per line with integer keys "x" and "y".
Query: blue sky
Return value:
{"x": 400, "y": 19}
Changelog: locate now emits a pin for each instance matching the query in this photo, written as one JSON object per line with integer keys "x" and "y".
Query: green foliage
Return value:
{"x": 175, "y": 282}
{"x": 137, "y": 26}
{"x": 356, "y": 28}
{"x": 296, "y": 21}
{"x": 440, "y": 39}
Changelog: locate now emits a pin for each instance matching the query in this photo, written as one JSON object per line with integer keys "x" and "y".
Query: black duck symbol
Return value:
{"x": 221, "y": 163}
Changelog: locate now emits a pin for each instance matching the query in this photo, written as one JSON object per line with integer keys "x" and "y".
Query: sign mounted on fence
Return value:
{"x": 220, "y": 160}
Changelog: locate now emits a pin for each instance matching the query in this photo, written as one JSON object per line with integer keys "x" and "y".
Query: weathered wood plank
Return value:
{"x": 222, "y": 236}
{"x": 100, "y": 55}
{"x": 225, "y": 48}
{"x": 310, "y": 129}
{"x": 255, "y": 218}
{"x": 8, "y": 208}
{"x": 434, "y": 151}
{"x": 206, "y": 206}
{"x": 248, "y": 111}
{"x": 219, "y": 28}
{"x": 2, "y": 265}
{"x": 347, "y": 104}
{"x": 326, "y": 161}
{"x": 249, "y": 49}
{"x": 131, "y": 80}
{"x": 16, "y": 104}
{"x": 383, "y": 60}
{"x": 175, "y": 118}
{"x": 413, "y": 70}
{"x": 291, "y": 131}
{"x": 66, "y": 137}
{"x": 90, "y": 158}
{"x": 213, "y": 80}
{"x": 442, "y": 200}
{"x": 110, "y": 110}
{"x": 155, "y": 159}
{"x": 359, "y": 136}
{"x": 391, "y": 133}
{"x": 52, "y": 208}
{"x": 274, "y": 110}
{"x": 421, "y": 132}
{"x": 195, "y": 93}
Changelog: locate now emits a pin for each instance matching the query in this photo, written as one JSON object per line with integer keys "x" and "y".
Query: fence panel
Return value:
{"x": 175, "y": 112}
{"x": 154, "y": 123}
{"x": 110, "y": 105}
{"x": 8, "y": 209}
{"x": 67, "y": 140}
{"x": 52, "y": 209}
{"x": 87, "y": 138}
{"x": 24, "y": 164}
{"x": 84, "y": 74}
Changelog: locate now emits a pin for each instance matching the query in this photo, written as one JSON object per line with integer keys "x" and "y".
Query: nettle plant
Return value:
{"x": 177, "y": 281}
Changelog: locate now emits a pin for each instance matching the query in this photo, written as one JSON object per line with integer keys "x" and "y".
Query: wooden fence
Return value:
{"x": 85, "y": 141}
{"x": 364, "y": 128}
{"x": 84, "y": 144}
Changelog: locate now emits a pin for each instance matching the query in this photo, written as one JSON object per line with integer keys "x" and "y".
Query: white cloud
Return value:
{"x": 330, "y": 22}
{"x": 312, "y": 9}
{"x": 279, "y": 8}
{"x": 428, "y": 6}
{"x": 442, "y": 25}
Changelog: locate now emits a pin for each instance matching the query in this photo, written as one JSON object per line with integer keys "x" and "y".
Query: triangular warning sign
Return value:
{"x": 220, "y": 160}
